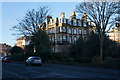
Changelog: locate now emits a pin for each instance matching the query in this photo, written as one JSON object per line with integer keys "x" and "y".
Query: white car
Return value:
{"x": 34, "y": 60}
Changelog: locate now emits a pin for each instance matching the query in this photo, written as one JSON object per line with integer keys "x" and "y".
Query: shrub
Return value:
{"x": 68, "y": 59}
{"x": 18, "y": 57}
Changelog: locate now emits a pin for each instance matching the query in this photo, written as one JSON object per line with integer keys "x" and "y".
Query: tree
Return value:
{"x": 16, "y": 50}
{"x": 41, "y": 41}
{"x": 100, "y": 13}
{"x": 91, "y": 48}
{"x": 32, "y": 25}
{"x": 76, "y": 50}
{"x": 32, "y": 22}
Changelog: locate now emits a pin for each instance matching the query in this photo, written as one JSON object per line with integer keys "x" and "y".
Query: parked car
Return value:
{"x": 34, "y": 60}
{"x": 6, "y": 59}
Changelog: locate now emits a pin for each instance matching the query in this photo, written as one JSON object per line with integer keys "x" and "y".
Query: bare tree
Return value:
{"x": 102, "y": 14}
{"x": 33, "y": 20}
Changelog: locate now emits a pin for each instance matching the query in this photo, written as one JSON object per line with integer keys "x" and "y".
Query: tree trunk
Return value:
{"x": 101, "y": 48}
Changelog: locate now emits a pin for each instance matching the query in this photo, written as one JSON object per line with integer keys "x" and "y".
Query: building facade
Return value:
{"x": 63, "y": 31}
{"x": 114, "y": 33}
{"x": 5, "y": 49}
{"x": 22, "y": 41}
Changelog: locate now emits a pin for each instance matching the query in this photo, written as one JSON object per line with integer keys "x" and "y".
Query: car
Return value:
{"x": 6, "y": 59}
{"x": 34, "y": 60}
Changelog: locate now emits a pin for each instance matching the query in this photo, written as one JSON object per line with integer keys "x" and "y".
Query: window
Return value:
{"x": 66, "y": 21}
{"x": 53, "y": 38}
{"x": 74, "y": 22}
{"x": 60, "y": 29}
{"x": 51, "y": 21}
{"x": 69, "y": 22}
{"x": 84, "y": 24}
{"x": 80, "y": 31}
{"x": 85, "y": 32}
{"x": 79, "y": 23}
{"x": 69, "y": 31}
{"x": 75, "y": 31}
{"x": 63, "y": 29}
{"x": 59, "y": 20}
{"x": 70, "y": 39}
{"x": 75, "y": 38}
{"x": 64, "y": 38}
{"x": 60, "y": 38}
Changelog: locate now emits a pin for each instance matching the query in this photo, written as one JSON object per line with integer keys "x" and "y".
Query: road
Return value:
{"x": 20, "y": 70}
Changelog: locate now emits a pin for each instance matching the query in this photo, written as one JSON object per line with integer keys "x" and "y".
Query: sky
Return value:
{"x": 11, "y": 11}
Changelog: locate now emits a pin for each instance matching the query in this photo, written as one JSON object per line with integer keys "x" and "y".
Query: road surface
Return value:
{"x": 20, "y": 70}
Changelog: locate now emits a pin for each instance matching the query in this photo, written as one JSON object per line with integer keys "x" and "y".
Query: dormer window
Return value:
{"x": 60, "y": 20}
{"x": 84, "y": 24}
{"x": 69, "y": 22}
{"x": 79, "y": 23}
{"x": 74, "y": 23}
